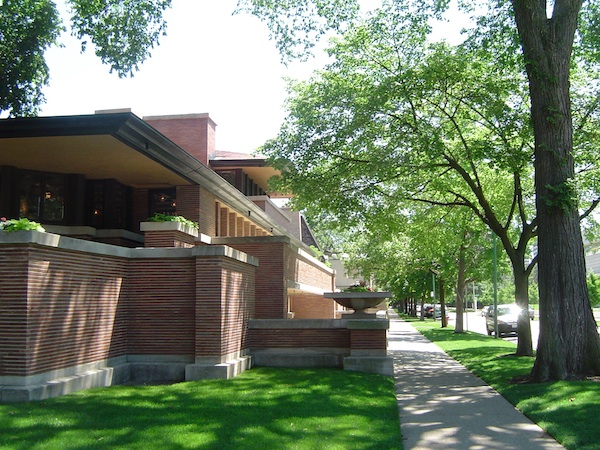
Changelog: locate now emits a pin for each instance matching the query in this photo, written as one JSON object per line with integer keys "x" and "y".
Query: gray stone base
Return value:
{"x": 299, "y": 357}
{"x": 226, "y": 370}
{"x": 383, "y": 365}
{"x": 123, "y": 373}
{"x": 106, "y": 376}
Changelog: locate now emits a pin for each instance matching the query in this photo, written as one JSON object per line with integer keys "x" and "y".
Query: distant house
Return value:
{"x": 592, "y": 257}
{"x": 104, "y": 296}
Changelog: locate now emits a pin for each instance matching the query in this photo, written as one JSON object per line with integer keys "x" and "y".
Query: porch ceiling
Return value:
{"x": 95, "y": 156}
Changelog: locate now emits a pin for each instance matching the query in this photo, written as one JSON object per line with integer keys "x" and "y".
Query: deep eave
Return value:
{"x": 135, "y": 144}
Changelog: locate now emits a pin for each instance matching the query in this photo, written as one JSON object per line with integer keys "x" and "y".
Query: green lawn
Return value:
{"x": 568, "y": 410}
{"x": 263, "y": 408}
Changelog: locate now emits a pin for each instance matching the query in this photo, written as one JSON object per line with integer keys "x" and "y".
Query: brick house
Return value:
{"x": 105, "y": 297}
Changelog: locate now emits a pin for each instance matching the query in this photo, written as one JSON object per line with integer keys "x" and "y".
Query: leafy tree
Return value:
{"x": 395, "y": 119}
{"x": 569, "y": 343}
{"x": 121, "y": 31}
{"x": 547, "y": 43}
{"x": 27, "y": 29}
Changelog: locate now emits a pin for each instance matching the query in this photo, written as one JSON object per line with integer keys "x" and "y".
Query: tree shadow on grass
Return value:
{"x": 263, "y": 408}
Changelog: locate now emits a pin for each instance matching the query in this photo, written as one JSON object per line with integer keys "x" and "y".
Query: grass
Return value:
{"x": 567, "y": 410}
{"x": 263, "y": 408}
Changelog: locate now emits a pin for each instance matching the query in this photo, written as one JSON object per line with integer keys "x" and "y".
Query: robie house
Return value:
{"x": 106, "y": 297}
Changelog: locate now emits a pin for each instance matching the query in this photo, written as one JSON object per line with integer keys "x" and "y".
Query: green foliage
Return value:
{"x": 416, "y": 146}
{"x": 27, "y": 29}
{"x": 593, "y": 285}
{"x": 358, "y": 288}
{"x": 22, "y": 224}
{"x": 296, "y": 25}
{"x": 268, "y": 408}
{"x": 562, "y": 196}
{"x": 159, "y": 217}
{"x": 121, "y": 31}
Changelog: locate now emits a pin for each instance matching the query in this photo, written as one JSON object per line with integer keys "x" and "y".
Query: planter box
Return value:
{"x": 168, "y": 234}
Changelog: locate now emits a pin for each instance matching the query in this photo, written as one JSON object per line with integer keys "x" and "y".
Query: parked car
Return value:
{"x": 485, "y": 310}
{"x": 438, "y": 312}
{"x": 428, "y": 311}
{"x": 508, "y": 316}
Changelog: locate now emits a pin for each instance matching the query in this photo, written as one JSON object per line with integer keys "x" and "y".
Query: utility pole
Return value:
{"x": 495, "y": 261}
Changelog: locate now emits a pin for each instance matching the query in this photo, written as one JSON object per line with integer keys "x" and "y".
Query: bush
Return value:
{"x": 22, "y": 224}
{"x": 159, "y": 217}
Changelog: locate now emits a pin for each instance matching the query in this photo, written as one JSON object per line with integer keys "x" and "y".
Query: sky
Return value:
{"x": 209, "y": 62}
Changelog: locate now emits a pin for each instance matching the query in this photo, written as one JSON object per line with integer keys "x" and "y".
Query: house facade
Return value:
{"x": 106, "y": 297}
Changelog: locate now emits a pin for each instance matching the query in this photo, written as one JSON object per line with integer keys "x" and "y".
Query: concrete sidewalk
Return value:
{"x": 444, "y": 406}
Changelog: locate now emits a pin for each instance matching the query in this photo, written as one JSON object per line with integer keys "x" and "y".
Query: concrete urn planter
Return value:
{"x": 358, "y": 301}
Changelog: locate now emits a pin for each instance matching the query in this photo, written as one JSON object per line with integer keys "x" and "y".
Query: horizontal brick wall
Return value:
{"x": 188, "y": 202}
{"x": 62, "y": 308}
{"x": 207, "y": 220}
{"x": 306, "y": 271}
{"x": 73, "y": 312}
{"x": 225, "y": 290}
{"x": 271, "y": 284}
{"x": 161, "y": 306}
{"x": 13, "y": 310}
{"x": 312, "y": 306}
{"x": 238, "y": 305}
{"x": 299, "y": 338}
{"x": 368, "y": 339}
{"x": 168, "y": 238}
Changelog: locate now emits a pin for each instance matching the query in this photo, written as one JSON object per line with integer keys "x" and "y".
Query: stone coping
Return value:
{"x": 272, "y": 239}
{"x": 80, "y": 245}
{"x": 169, "y": 226}
{"x": 298, "y": 324}
{"x": 354, "y": 294}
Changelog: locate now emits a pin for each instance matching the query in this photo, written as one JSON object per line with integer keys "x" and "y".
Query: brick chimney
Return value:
{"x": 194, "y": 133}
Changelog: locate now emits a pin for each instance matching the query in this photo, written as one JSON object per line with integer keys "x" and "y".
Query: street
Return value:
{"x": 475, "y": 322}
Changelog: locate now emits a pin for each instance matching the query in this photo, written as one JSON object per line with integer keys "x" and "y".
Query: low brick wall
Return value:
{"x": 352, "y": 344}
{"x": 312, "y": 306}
{"x": 73, "y": 309}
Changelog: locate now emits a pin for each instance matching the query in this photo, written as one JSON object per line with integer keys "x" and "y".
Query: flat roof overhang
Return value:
{"x": 97, "y": 146}
{"x": 113, "y": 145}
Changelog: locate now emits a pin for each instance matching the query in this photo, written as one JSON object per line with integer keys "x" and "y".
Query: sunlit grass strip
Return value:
{"x": 568, "y": 410}
{"x": 262, "y": 408}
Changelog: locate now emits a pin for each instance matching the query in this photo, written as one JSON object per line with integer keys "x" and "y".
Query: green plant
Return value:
{"x": 593, "y": 284}
{"x": 160, "y": 217}
{"x": 22, "y": 224}
{"x": 358, "y": 288}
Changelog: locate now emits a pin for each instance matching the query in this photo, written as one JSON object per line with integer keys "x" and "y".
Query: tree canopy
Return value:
{"x": 396, "y": 121}
{"x": 383, "y": 112}
{"x": 122, "y": 33}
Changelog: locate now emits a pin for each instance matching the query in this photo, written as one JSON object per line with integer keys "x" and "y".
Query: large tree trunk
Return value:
{"x": 569, "y": 346}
